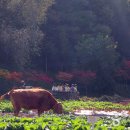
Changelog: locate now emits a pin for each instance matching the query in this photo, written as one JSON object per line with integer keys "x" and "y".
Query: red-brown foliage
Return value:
{"x": 124, "y": 71}
{"x": 64, "y": 76}
{"x": 43, "y": 77}
{"x": 28, "y": 76}
{"x": 16, "y": 76}
{"x": 84, "y": 76}
{"x": 35, "y": 76}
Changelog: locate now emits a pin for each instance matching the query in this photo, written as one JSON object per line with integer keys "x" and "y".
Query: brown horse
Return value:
{"x": 34, "y": 98}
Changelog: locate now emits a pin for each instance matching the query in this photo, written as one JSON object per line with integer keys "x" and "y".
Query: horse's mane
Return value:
{"x": 36, "y": 87}
{"x": 24, "y": 87}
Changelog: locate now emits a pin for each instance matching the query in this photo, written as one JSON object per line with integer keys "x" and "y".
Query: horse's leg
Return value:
{"x": 16, "y": 108}
{"x": 16, "y": 111}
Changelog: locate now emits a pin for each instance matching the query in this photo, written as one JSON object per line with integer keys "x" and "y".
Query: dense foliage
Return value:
{"x": 64, "y": 122}
{"x": 47, "y": 122}
{"x": 68, "y": 36}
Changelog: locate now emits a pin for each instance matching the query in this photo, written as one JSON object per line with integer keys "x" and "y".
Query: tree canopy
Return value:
{"x": 67, "y": 36}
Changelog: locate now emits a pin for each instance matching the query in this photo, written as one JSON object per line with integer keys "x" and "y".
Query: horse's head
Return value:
{"x": 58, "y": 108}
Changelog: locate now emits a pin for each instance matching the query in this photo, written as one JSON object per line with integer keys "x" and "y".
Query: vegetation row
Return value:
{"x": 66, "y": 121}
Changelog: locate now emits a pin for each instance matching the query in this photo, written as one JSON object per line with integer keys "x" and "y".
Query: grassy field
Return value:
{"x": 63, "y": 122}
{"x": 66, "y": 121}
{"x": 72, "y": 105}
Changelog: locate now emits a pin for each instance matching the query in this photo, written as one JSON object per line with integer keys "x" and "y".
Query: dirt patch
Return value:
{"x": 21, "y": 114}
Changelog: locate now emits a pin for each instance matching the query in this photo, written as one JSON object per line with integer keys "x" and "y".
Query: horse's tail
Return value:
{"x": 6, "y": 94}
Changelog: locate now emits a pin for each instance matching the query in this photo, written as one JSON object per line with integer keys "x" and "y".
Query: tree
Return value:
{"x": 66, "y": 22}
{"x": 21, "y": 36}
{"x": 98, "y": 53}
{"x": 21, "y": 44}
{"x": 115, "y": 14}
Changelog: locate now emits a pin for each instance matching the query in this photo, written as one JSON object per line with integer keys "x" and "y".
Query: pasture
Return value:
{"x": 68, "y": 120}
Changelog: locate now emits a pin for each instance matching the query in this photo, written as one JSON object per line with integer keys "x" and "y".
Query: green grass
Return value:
{"x": 52, "y": 122}
{"x": 6, "y": 106}
{"x": 66, "y": 121}
{"x": 72, "y": 105}
{"x": 63, "y": 122}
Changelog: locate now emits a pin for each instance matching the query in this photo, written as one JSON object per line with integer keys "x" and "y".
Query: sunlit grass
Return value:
{"x": 72, "y": 105}
{"x": 63, "y": 122}
{"x": 66, "y": 121}
{"x": 6, "y": 106}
